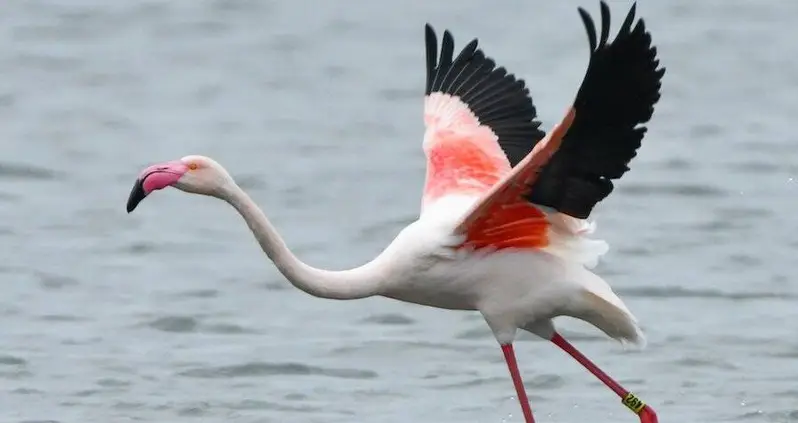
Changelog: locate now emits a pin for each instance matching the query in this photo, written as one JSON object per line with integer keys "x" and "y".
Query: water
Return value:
{"x": 173, "y": 314}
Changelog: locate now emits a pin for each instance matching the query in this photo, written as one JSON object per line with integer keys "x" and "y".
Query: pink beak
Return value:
{"x": 154, "y": 178}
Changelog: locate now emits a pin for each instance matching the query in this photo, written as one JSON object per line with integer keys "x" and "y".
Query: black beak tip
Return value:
{"x": 136, "y": 195}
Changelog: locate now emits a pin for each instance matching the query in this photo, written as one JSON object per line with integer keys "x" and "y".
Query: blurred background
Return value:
{"x": 173, "y": 314}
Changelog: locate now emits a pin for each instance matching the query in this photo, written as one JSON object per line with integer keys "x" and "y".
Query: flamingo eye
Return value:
{"x": 193, "y": 166}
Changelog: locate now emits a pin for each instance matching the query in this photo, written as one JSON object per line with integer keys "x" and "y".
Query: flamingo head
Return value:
{"x": 194, "y": 174}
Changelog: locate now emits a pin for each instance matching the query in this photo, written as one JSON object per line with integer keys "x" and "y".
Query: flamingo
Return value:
{"x": 503, "y": 227}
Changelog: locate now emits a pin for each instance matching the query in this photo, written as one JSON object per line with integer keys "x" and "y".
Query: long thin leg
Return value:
{"x": 630, "y": 400}
{"x": 520, "y": 392}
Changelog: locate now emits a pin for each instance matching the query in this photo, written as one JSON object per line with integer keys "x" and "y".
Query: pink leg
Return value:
{"x": 509, "y": 357}
{"x": 630, "y": 400}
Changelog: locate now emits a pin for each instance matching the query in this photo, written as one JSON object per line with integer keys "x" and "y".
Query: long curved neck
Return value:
{"x": 360, "y": 282}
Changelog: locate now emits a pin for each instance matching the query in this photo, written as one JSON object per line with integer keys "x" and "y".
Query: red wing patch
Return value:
{"x": 503, "y": 218}
{"x": 518, "y": 225}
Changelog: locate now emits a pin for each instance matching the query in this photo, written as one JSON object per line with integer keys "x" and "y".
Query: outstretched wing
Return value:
{"x": 570, "y": 170}
{"x": 480, "y": 121}
{"x": 618, "y": 94}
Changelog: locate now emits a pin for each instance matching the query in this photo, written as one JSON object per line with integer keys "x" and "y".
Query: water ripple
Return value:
{"x": 251, "y": 404}
{"x": 705, "y": 362}
{"x": 255, "y": 369}
{"x": 784, "y": 416}
{"x": 478, "y": 332}
{"x": 25, "y": 172}
{"x": 226, "y": 328}
{"x": 50, "y": 281}
{"x": 108, "y": 382}
{"x": 61, "y": 318}
{"x": 10, "y": 360}
{"x": 192, "y": 324}
{"x": 389, "y": 319}
{"x": 789, "y": 352}
{"x": 197, "y": 293}
{"x": 672, "y": 189}
{"x": 483, "y": 381}
{"x": 179, "y": 324}
{"x": 8, "y": 198}
{"x": 27, "y": 391}
{"x": 390, "y": 346}
{"x": 680, "y": 292}
{"x": 706, "y": 130}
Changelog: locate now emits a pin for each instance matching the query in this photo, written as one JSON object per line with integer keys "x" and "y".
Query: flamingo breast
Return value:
{"x": 428, "y": 270}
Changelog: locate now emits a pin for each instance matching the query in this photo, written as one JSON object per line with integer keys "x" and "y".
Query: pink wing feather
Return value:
{"x": 476, "y": 115}
{"x": 463, "y": 157}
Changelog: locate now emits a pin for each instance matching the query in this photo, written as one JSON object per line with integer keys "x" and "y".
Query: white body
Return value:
{"x": 511, "y": 288}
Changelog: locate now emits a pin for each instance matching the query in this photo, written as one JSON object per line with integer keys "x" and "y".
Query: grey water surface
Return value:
{"x": 172, "y": 314}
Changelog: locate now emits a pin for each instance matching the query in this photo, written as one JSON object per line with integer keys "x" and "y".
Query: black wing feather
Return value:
{"x": 498, "y": 99}
{"x": 621, "y": 86}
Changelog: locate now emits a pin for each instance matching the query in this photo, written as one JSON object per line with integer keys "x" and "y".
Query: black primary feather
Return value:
{"x": 621, "y": 86}
{"x": 497, "y": 98}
